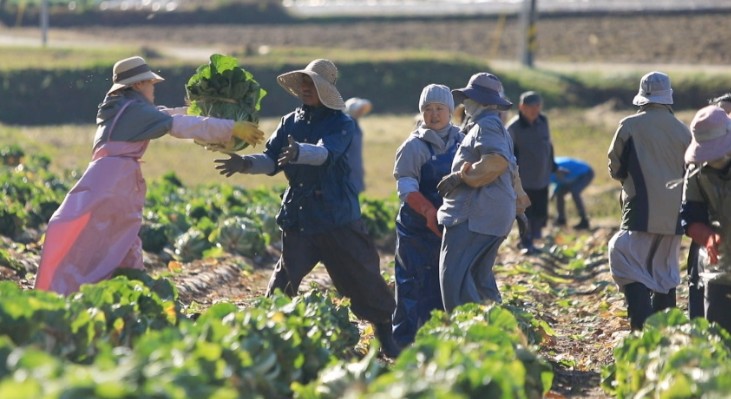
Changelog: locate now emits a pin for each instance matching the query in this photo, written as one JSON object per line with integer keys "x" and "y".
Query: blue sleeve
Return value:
{"x": 337, "y": 139}
{"x": 693, "y": 212}
{"x": 276, "y": 141}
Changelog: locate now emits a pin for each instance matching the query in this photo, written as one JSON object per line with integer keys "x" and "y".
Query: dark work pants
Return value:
{"x": 696, "y": 301}
{"x": 537, "y": 213}
{"x": 351, "y": 260}
{"x": 575, "y": 189}
{"x": 642, "y": 303}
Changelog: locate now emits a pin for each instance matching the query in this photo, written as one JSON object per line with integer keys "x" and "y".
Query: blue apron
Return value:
{"x": 417, "y": 254}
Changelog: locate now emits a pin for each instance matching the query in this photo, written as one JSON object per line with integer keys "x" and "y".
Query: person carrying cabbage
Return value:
{"x": 320, "y": 214}
{"x": 95, "y": 229}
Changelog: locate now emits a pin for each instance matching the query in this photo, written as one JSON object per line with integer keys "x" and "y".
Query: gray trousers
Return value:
{"x": 465, "y": 266}
{"x": 351, "y": 260}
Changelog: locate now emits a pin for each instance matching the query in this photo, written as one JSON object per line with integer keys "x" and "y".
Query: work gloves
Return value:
{"x": 248, "y": 132}
{"x": 481, "y": 173}
{"x": 703, "y": 235}
{"x": 235, "y": 164}
{"x": 451, "y": 181}
{"x": 421, "y": 205}
{"x": 289, "y": 153}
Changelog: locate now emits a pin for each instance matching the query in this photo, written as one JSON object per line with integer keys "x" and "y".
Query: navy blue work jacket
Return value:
{"x": 319, "y": 198}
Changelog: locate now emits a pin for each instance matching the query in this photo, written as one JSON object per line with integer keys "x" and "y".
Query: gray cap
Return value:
{"x": 435, "y": 93}
{"x": 530, "y": 98}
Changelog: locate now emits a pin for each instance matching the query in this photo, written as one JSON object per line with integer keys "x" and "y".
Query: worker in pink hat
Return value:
{"x": 706, "y": 212}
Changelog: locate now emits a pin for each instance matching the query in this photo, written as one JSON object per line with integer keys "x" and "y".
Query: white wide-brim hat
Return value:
{"x": 324, "y": 74}
{"x": 131, "y": 70}
{"x": 711, "y": 129}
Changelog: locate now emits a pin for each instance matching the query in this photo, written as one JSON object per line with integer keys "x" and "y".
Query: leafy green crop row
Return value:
{"x": 129, "y": 339}
{"x": 476, "y": 352}
{"x": 125, "y": 338}
{"x": 672, "y": 357}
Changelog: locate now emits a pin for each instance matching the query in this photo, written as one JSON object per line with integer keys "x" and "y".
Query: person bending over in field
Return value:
{"x": 320, "y": 214}
{"x": 95, "y": 230}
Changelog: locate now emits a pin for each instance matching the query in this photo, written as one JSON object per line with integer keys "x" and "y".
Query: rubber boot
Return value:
{"x": 662, "y": 301}
{"x": 582, "y": 225}
{"x": 526, "y": 237}
{"x": 389, "y": 347}
{"x": 639, "y": 307}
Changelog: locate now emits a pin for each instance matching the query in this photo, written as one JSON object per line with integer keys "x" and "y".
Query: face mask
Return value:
{"x": 471, "y": 108}
{"x": 721, "y": 162}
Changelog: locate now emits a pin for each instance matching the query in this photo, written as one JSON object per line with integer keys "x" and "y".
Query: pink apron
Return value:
{"x": 95, "y": 230}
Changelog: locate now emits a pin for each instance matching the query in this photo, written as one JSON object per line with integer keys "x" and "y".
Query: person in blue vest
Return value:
{"x": 423, "y": 159}
{"x": 576, "y": 177}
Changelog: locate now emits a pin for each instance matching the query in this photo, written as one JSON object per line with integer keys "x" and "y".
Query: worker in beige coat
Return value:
{"x": 646, "y": 152}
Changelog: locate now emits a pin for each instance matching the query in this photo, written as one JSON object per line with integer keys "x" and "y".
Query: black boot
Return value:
{"x": 582, "y": 225}
{"x": 389, "y": 347}
{"x": 663, "y": 301}
{"x": 639, "y": 307}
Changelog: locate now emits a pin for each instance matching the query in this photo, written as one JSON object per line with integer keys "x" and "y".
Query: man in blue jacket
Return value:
{"x": 320, "y": 214}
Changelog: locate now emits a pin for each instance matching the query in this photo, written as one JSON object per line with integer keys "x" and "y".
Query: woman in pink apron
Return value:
{"x": 95, "y": 230}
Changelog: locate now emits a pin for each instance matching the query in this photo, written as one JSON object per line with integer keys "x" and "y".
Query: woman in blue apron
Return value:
{"x": 421, "y": 162}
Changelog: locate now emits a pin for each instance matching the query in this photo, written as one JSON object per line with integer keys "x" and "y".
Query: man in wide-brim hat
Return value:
{"x": 320, "y": 214}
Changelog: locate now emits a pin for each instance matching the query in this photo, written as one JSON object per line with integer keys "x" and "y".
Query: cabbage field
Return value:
{"x": 196, "y": 325}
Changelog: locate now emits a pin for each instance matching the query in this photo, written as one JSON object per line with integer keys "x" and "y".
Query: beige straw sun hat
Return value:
{"x": 324, "y": 74}
{"x": 131, "y": 70}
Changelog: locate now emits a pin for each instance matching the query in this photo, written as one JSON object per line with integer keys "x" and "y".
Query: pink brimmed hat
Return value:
{"x": 711, "y": 129}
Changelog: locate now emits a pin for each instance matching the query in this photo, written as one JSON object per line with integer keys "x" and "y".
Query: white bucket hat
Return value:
{"x": 324, "y": 74}
{"x": 654, "y": 88}
{"x": 131, "y": 70}
{"x": 711, "y": 129}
